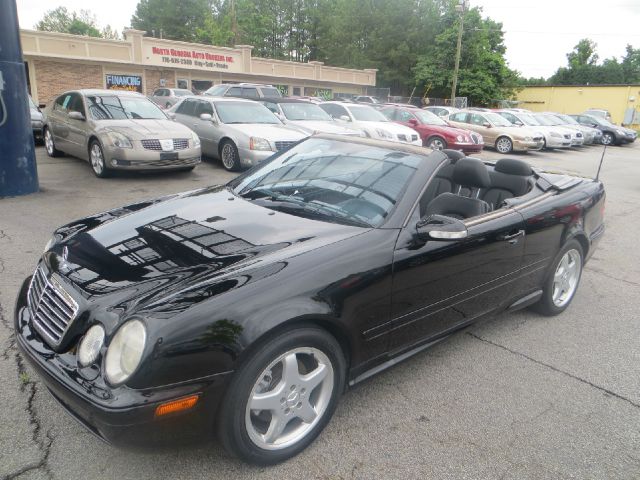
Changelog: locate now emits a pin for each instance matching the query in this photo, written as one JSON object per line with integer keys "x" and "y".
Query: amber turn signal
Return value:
{"x": 177, "y": 405}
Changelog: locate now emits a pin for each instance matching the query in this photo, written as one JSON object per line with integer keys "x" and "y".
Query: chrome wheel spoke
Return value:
{"x": 291, "y": 374}
{"x": 306, "y": 412}
{"x": 269, "y": 400}
{"x": 311, "y": 380}
{"x": 565, "y": 278}
{"x": 276, "y": 427}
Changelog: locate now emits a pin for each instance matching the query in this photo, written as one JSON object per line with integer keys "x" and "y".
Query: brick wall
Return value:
{"x": 152, "y": 79}
{"x": 53, "y": 78}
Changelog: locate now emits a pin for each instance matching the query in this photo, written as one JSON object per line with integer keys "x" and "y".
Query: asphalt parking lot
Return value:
{"x": 519, "y": 396}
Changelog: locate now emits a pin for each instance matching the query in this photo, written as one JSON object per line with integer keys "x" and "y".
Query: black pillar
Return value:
{"x": 18, "y": 173}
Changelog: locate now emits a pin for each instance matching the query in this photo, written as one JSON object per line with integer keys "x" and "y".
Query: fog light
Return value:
{"x": 90, "y": 345}
{"x": 177, "y": 405}
{"x": 114, "y": 162}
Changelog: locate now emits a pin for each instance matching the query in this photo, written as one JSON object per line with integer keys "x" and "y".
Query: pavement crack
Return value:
{"x": 612, "y": 277}
{"x": 556, "y": 369}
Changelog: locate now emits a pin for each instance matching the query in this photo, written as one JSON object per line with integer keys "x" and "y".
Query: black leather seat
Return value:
{"x": 472, "y": 175}
{"x": 443, "y": 181}
{"x": 509, "y": 179}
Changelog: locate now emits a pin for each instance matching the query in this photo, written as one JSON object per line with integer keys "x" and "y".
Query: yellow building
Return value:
{"x": 618, "y": 99}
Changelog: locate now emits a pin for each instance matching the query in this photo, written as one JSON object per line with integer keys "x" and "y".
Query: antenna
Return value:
{"x": 604, "y": 150}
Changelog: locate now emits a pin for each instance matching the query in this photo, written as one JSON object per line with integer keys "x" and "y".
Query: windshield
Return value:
{"x": 113, "y": 107}
{"x": 497, "y": 120}
{"x": 245, "y": 112}
{"x": 428, "y": 118}
{"x": 182, "y": 93}
{"x": 366, "y": 114}
{"x": 600, "y": 121}
{"x": 567, "y": 119}
{"x": 304, "y": 111}
{"x": 528, "y": 119}
{"x": 331, "y": 181}
{"x": 546, "y": 120}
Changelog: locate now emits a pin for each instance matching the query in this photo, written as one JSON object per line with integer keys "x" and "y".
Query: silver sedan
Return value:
{"x": 117, "y": 130}
{"x": 241, "y": 133}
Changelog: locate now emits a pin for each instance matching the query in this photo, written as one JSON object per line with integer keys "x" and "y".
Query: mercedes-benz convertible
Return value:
{"x": 245, "y": 310}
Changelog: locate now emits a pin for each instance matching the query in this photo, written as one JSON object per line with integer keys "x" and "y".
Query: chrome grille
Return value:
{"x": 402, "y": 137}
{"x": 154, "y": 144}
{"x": 283, "y": 145}
{"x": 567, "y": 137}
{"x": 52, "y": 309}
{"x": 414, "y": 138}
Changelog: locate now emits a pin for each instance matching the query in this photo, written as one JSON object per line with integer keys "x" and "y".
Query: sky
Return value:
{"x": 538, "y": 33}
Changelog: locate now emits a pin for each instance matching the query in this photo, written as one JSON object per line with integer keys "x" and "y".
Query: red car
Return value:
{"x": 435, "y": 132}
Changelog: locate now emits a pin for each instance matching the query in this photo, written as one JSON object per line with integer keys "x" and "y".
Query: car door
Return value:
{"x": 56, "y": 121}
{"x": 441, "y": 285}
{"x": 204, "y": 128}
{"x": 250, "y": 92}
{"x": 77, "y": 129}
{"x": 479, "y": 124}
{"x": 185, "y": 112}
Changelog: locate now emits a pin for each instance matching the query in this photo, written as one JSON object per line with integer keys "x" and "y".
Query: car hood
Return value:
{"x": 388, "y": 126}
{"x": 160, "y": 247}
{"x": 312, "y": 126}
{"x": 35, "y": 114}
{"x": 144, "y": 128}
{"x": 271, "y": 132}
{"x": 450, "y": 130}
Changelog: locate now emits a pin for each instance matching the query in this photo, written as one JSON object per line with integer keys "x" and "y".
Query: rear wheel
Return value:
{"x": 49, "y": 144}
{"x": 230, "y": 156}
{"x": 504, "y": 145}
{"x": 282, "y": 397}
{"x": 436, "y": 143}
{"x": 562, "y": 280}
{"x": 608, "y": 138}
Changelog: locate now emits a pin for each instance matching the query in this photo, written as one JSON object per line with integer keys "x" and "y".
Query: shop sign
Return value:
{"x": 192, "y": 58}
{"x": 132, "y": 83}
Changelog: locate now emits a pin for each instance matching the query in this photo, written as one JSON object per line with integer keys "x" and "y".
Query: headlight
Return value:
{"x": 125, "y": 351}
{"x": 556, "y": 135}
{"x": 119, "y": 140}
{"x": 528, "y": 139}
{"x": 90, "y": 345}
{"x": 460, "y": 138}
{"x": 257, "y": 143}
{"x": 195, "y": 140}
{"x": 383, "y": 133}
{"x": 620, "y": 132}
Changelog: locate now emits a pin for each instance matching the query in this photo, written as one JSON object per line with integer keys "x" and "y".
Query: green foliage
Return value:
{"x": 583, "y": 67}
{"x": 76, "y": 23}
{"x": 182, "y": 20}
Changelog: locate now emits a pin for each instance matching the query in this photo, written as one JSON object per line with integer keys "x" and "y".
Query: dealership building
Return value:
{"x": 57, "y": 62}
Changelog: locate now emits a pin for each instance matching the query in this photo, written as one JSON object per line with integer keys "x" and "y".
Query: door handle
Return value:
{"x": 512, "y": 237}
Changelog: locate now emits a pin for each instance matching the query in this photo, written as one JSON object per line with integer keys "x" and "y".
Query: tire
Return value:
{"x": 608, "y": 138}
{"x": 96, "y": 159}
{"x": 504, "y": 145}
{"x": 549, "y": 304}
{"x": 436, "y": 143}
{"x": 243, "y": 431}
{"x": 49, "y": 144}
{"x": 229, "y": 156}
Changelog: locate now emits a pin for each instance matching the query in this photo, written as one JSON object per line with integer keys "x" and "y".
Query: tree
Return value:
{"x": 184, "y": 20}
{"x": 76, "y": 23}
{"x": 583, "y": 54}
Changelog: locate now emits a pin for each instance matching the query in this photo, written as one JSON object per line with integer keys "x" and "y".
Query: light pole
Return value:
{"x": 460, "y": 8}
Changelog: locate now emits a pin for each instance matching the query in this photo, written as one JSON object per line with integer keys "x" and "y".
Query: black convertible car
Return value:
{"x": 247, "y": 309}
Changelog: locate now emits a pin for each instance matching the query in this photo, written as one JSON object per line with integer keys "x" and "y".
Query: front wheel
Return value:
{"x": 608, "y": 138}
{"x": 96, "y": 157}
{"x": 436, "y": 143}
{"x": 282, "y": 397}
{"x": 230, "y": 156}
{"x": 562, "y": 280}
{"x": 49, "y": 144}
{"x": 504, "y": 145}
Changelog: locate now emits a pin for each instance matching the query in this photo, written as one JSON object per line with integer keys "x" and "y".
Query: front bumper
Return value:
{"x": 577, "y": 141}
{"x": 119, "y": 415}
{"x": 524, "y": 145}
{"x": 555, "y": 142}
{"x": 142, "y": 159}
{"x": 249, "y": 158}
{"x": 467, "y": 147}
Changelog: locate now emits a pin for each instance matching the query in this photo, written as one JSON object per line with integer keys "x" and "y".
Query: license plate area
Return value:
{"x": 169, "y": 156}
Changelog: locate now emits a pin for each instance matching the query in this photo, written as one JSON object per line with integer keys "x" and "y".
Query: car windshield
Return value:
{"x": 528, "y": 119}
{"x": 114, "y": 107}
{"x": 364, "y": 113}
{"x": 331, "y": 181}
{"x": 217, "y": 90}
{"x": 497, "y": 120}
{"x": 304, "y": 111}
{"x": 245, "y": 112}
{"x": 567, "y": 119}
{"x": 546, "y": 120}
{"x": 428, "y": 118}
{"x": 182, "y": 93}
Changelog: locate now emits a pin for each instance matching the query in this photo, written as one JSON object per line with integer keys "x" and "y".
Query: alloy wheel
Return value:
{"x": 289, "y": 398}
{"x": 97, "y": 159}
{"x": 566, "y": 277}
{"x": 48, "y": 142}
{"x": 436, "y": 144}
{"x": 503, "y": 145}
{"x": 607, "y": 139}
{"x": 228, "y": 156}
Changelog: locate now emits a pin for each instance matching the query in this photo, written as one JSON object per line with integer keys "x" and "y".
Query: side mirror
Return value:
{"x": 486, "y": 125}
{"x": 518, "y": 123}
{"x": 171, "y": 115}
{"x": 345, "y": 118}
{"x": 206, "y": 117}
{"x": 440, "y": 227}
{"x": 413, "y": 122}
{"x": 76, "y": 116}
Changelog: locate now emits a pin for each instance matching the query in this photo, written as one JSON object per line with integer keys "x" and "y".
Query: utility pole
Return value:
{"x": 18, "y": 173}
{"x": 460, "y": 8}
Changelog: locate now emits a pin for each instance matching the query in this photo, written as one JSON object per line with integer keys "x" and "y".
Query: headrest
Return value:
{"x": 471, "y": 172}
{"x": 454, "y": 155}
{"x": 512, "y": 166}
